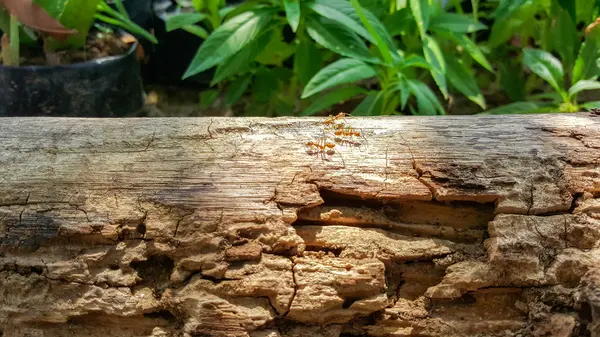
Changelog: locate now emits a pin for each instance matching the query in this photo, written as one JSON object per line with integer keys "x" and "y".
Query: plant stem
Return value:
{"x": 475, "y": 5}
{"x": 14, "y": 42}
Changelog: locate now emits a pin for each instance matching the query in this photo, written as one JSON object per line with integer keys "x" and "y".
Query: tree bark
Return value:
{"x": 454, "y": 226}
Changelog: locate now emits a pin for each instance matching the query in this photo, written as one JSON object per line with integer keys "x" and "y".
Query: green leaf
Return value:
{"x": 241, "y": 61}
{"x": 464, "y": 81}
{"x": 518, "y": 108}
{"x": 307, "y": 61}
{"x": 507, "y": 7}
{"x": 229, "y": 38}
{"x": 339, "y": 72}
{"x": 402, "y": 87}
{"x": 344, "y": 13}
{"x": 184, "y": 19}
{"x": 223, "y": 12}
{"x": 292, "y": 12}
{"x": 336, "y": 96}
{"x": 237, "y": 89}
{"x": 338, "y": 39}
{"x": 567, "y": 39}
{"x": 582, "y": 86}
{"x": 433, "y": 55}
{"x": 415, "y": 61}
{"x": 421, "y": 13}
{"x": 276, "y": 51}
{"x": 208, "y": 97}
{"x": 399, "y": 22}
{"x": 504, "y": 28}
{"x": 570, "y": 7}
{"x": 196, "y": 30}
{"x": 545, "y": 66}
{"x": 427, "y": 103}
{"x": 380, "y": 41}
{"x": 472, "y": 49}
{"x": 591, "y": 105}
{"x": 586, "y": 65}
{"x": 53, "y": 7}
{"x": 370, "y": 106}
{"x": 79, "y": 15}
{"x": 457, "y": 23}
{"x": 198, "y": 5}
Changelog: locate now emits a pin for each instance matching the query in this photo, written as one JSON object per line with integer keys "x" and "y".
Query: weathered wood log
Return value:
{"x": 454, "y": 226}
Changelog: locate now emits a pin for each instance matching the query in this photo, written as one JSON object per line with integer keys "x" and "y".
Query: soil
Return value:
{"x": 99, "y": 45}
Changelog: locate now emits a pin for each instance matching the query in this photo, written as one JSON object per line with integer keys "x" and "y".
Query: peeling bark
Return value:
{"x": 457, "y": 226}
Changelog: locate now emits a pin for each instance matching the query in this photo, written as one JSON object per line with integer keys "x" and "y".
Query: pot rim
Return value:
{"x": 96, "y": 62}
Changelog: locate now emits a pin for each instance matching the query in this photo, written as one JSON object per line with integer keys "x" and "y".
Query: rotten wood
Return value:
{"x": 454, "y": 226}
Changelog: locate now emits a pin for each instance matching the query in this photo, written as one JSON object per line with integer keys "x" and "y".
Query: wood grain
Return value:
{"x": 449, "y": 226}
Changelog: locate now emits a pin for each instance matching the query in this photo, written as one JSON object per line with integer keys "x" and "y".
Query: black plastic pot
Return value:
{"x": 106, "y": 87}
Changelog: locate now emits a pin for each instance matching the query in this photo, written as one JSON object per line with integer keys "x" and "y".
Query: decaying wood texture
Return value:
{"x": 454, "y": 226}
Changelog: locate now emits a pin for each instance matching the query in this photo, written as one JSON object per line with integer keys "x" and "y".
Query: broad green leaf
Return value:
{"x": 338, "y": 39}
{"x": 229, "y": 38}
{"x": 545, "y": 66}
{"x": 53, "y": 7}
{"x": 237, "y": 88}
{"x": 276, "y": 51}
{"x": 552, "y": 96}
{"x": 427, "y": 103}
{"x": 307, "y": 61}
{"x": 339, "y": 72}
{"x": 79, "y": 15}
{"x": 586, "y": 65}
{"x": 582, "y": 86}
{"x": 380, "y": 41}
{"x": 587, "y": 10}
{"x": 223, "y": 12}
{"x": 208, "y": 97}
{"x": 519, "y": 108}
{"x": 292, "y": 12}
{"x": 402, "y": 87}
{"x": 336, "y": 96}
{"x": 344, "y": 13}
{"x": 414, "y": 61}
{"x": 241, "y": 61}
{"x": 399, "y": 22}
{"x": 516, "y": 23}
{"x": 567, "y": 39}
{"x": 371, "y": 105}
{"x": 464, "y": 81}
{"x": 421, "y": 13}
{"x": 433, "y": 55}
{"x": 591, "y": 105}
{"x": 457, "y": 23}
{"x": 570, "y": 7}
{"x": 472, "y": 49}
{"x": 184, "y": 19}
{"x": 506, "y": 8}
{"x": 196, "y": 30}
{"x": 198, "y": 5}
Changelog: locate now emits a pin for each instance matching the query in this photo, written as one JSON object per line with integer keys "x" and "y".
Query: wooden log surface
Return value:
{"x": 451, "y": 226}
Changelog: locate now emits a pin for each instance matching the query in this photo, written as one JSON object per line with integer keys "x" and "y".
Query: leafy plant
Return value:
{"x": 585, "y": 73}
{"x": 66, "y": 23}
{"x": 248, "y": 43}
{"x": 397, "y": 71}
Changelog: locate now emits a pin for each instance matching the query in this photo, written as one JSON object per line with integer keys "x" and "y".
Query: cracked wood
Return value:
{"x": 227, "y": 227}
